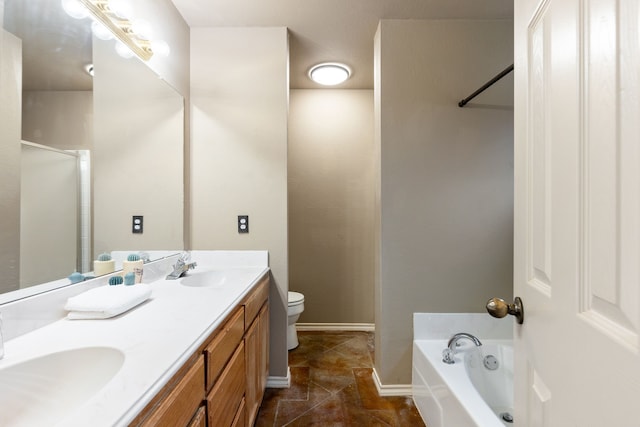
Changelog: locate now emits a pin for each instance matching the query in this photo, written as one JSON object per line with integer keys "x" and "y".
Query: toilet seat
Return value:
{"x": 295, "y": 298}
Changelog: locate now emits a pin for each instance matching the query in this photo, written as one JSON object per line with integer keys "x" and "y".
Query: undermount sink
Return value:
{"x": 46, "y": 389}
{"x": 210, "y": 278}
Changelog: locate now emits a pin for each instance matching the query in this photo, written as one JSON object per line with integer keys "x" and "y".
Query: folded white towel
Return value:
{"x": 107, "y": 301}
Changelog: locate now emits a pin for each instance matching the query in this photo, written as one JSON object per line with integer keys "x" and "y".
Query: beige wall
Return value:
{"x": 331, "y": 195}
{"x": 239, "y": 101}
{"x": 10, "y": 101}
{"x": 140, "y": 127}
{"x": 137, "y": 157}
{"x": 168, "y": 25}
{"x": 446, "y": 192}
{"x": 60, "y": 119}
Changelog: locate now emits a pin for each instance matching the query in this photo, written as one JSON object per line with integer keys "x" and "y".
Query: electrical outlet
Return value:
{"x": 137, "y": 224}
{"x": 243, "y": 223}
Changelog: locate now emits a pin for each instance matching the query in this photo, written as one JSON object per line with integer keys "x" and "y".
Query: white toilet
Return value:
{"x": 294, "y": 308}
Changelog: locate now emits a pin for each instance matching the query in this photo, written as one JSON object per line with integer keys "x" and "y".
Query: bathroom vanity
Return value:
{"x": 229, "y": 370}
{"x": 194, "y": 354}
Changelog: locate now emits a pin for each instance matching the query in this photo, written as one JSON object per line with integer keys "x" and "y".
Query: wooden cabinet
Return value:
{"x": 257, "y": 356}
{"x": 222, "y": 346}
{"x": 256, "y": 348}
{"x": 223, "y": 383}
{"x": 263, "y": 366}
{"x": 182, "y": 401}
{"x": 200, "y": 418}
{"x": 225, "y": 399}
{"x": 252, "y": 348}
{"x": 240, "y": 416}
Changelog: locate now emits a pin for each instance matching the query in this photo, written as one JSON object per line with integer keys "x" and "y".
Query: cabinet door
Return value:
{"x": 240, "y": 416}
{"x": 257, "y": 362}
{"x": 263, "y": 367}
{"x": 182, "y": 402}
{"x": 220, "y": 349}
{"x": 255, "y": 300}
{"x": 252, "y": 359}
{"x": 200, "y": 418}
{"x": 226, "y": 395}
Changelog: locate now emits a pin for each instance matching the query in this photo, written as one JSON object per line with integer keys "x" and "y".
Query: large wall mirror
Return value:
{"x": 87, "y": 152}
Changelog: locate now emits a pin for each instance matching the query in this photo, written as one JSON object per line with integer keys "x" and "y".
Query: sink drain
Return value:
{"x": 506, "y": 416}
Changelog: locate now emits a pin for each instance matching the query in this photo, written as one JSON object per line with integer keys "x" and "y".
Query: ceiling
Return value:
{"x": 55, "y": 47}
{"x": 332, "y": 30}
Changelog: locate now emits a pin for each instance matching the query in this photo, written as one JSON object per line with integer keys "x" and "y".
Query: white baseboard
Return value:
{"x": 391, "y": 389}
{"x": 279, "y": 382}
{"x": 366, "y": 327}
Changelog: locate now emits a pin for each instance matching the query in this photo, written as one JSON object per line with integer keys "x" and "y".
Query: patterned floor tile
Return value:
{"x": 332, "y": 385}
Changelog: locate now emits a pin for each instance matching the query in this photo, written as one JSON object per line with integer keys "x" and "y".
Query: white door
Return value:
{"x": 577, "y": 212}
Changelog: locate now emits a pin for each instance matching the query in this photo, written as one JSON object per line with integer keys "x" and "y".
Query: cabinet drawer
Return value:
{"x": 240, "y": 419}
{"x": 226, "y": 395}
{"x": 220, "y": 349}
{"x": 255, "y": 300}
{"x": 200, "y": 418}
{"x": 178, "y": 407}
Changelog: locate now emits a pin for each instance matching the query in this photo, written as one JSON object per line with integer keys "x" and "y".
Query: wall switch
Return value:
{"x": 243, "y": 223}
{"x": 137, "y": 224}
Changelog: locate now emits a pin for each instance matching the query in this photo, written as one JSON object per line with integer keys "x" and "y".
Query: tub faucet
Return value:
{"x": 449, "y": 352}
{"x": 180, "y": 268}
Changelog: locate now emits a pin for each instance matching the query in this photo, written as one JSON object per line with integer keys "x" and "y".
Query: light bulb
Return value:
{"x": 100, "y": 31}
{"x": 142, "y": 29}
{"x": 121, "y": 8}
{"x": 160, "y": 47}
{"x": 123, "y": 50}
{"x": 75, "y": 9}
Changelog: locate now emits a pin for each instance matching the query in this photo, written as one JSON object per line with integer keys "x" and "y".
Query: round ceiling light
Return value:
{"x": 329, "y": 73}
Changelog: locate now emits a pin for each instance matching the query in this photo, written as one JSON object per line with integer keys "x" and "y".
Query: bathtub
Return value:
{"x": 466, "y": 393}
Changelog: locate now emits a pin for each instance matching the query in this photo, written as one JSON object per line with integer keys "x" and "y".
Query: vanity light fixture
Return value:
{"x": 114, "y": 18}
{"x": 100, "y": 31}
{"x": 329, "y": 73}
{"x": 123, "y": 50}
{"x": 75, "y": 9}
{"x": 122, "y": 28}
{"x": 161, "y": 47}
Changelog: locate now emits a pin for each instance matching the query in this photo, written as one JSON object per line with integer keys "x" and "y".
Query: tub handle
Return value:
{"x": 497, "y": 307}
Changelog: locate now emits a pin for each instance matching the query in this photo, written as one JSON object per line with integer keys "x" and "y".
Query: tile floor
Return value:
{"x": 331, "y": 385}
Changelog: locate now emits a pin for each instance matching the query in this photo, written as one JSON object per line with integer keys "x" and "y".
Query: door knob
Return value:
{"x": 497, "y": 307}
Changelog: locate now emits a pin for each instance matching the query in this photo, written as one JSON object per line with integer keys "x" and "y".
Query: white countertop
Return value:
{"x": 156, "y": 338}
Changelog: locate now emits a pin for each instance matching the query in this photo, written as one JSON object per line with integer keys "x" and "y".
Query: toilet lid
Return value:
{"x": 295, "y": 297}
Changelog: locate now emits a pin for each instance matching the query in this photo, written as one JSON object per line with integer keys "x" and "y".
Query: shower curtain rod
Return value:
{"x": 485, "y": 86}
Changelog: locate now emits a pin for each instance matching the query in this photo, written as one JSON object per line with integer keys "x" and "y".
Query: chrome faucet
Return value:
{"x": 180, "y": 268}
{"x": 449, "y": 352}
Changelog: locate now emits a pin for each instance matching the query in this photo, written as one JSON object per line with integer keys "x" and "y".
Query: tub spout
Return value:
{"x": 450, "y": 351}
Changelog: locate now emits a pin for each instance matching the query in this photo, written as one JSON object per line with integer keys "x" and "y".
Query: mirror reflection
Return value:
{"x": 94, "y": 151}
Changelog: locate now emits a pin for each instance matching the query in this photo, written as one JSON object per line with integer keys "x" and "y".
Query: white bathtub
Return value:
{"x": 463, "y": 394}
